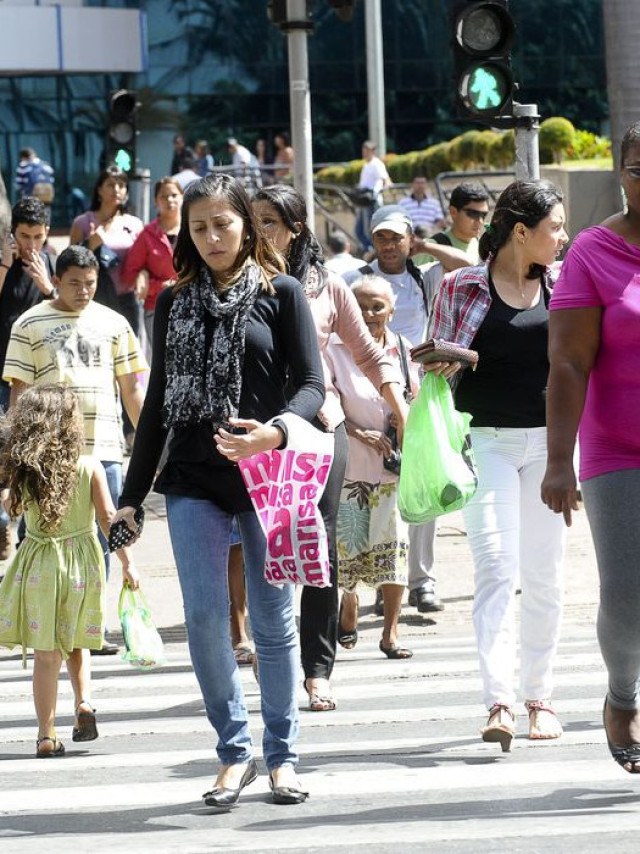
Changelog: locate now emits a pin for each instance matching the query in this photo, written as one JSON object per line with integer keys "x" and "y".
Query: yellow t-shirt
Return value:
{"x": 85, "y": 350}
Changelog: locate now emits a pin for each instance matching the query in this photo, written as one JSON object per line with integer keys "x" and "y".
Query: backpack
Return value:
{"x": 42, "y": 182}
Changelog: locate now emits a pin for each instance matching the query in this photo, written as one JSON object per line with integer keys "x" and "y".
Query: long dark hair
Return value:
{"x": 186, "y": 258}
{"x": 304, "y": 250}
{"x": 109, "y": 172}
{"x": 528, "y": 202}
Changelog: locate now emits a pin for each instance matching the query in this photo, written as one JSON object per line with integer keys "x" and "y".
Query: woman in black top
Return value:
{"x": 500, "y": 309}
{"x": 228, "y": 338}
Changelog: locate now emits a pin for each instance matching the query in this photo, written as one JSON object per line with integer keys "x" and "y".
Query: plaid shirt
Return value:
{"x": 463, "y": 301}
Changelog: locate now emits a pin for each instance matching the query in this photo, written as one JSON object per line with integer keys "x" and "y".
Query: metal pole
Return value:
{"x": 140, "y": 191}
{"x": 527, "y": 153}
{"x": 300, "y": 102}
{"x": 375, "y": 75}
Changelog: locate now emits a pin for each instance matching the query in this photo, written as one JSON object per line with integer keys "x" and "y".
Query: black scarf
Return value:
{"x": 206, "y": 386}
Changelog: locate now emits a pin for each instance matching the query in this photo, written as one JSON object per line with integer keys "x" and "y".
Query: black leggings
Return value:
{"x": 319, "y": 605}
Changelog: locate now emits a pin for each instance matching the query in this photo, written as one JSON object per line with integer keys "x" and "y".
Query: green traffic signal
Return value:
{"x": 483, "y": 33}
{"x": 485, "y": 88}
{"x": 123, "y": 160}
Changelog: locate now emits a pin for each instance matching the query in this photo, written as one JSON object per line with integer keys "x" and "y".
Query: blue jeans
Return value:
{"x": 113, "y": 471}
{"x": 199, "y": 532}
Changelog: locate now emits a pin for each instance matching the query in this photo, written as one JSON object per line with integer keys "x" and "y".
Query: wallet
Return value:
{"x": 438, "y": 350}
{"x": 120, "y": 534}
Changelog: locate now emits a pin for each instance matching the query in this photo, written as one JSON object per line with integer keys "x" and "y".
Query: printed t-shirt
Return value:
{"x": 86, "y": 351}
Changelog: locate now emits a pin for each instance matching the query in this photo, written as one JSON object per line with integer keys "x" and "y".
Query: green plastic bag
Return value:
{"x": 141, "y": 638}
{"x": 438, "y": 473}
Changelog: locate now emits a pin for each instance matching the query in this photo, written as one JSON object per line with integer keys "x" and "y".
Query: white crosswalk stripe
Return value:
{"x": 398, "y": 763}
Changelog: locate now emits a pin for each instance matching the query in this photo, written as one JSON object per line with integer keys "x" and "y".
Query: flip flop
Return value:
{"x": 394, "y": 651}
{"x": 243, "y": 655}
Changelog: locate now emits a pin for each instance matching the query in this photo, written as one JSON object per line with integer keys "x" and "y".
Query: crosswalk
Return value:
{"x": 398, "y": 766}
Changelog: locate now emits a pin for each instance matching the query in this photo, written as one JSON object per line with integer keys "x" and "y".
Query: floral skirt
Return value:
{"x": 373, "y": 541}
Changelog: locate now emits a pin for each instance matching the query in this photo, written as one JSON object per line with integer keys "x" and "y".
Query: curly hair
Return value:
{"x": 42, "y": 438}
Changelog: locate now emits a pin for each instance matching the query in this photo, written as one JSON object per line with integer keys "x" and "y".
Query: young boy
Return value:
{"x": 25, "y": 271}
{"x": 90, "y": 348}
{"x": 25, "y": 280}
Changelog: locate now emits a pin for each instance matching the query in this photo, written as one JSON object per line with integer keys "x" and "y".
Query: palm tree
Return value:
{"x": 621, "y": 28}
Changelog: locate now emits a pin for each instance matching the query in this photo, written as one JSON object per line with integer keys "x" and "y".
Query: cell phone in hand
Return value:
{"x": 120, "y": 534}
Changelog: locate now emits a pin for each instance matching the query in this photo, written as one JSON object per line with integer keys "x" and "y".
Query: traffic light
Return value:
{"x": 122, "y": 133}
{"x": 483, "y": 34}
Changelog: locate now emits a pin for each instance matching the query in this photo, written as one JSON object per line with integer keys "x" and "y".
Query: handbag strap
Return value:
{"x": 402, "y": 350}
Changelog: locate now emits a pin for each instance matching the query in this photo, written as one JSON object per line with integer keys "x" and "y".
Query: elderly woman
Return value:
{"x": 373, "y": 541}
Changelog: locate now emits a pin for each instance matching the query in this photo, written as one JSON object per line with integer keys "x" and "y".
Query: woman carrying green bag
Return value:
{"x": 500, "y": 309}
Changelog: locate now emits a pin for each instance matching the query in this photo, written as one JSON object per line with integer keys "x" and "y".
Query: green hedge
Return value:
{"x": 477, "y": 149}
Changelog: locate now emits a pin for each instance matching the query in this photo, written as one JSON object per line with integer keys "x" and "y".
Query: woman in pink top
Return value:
{"x": 595, "y": 383}
{"x": 373, "y": 540}
{"x": 283, "y": 213}
{"x": 110, "y": 232}
{"x": 152, "y": 253}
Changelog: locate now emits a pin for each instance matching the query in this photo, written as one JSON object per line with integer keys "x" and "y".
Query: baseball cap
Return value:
{"x": 390, "y": 218}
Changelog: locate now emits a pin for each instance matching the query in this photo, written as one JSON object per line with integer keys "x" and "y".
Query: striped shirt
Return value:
{"x": 85, "y": 350}
{"x": 425, "y": 211}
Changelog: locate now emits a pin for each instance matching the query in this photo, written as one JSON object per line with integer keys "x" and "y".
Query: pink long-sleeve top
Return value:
{"x": 153, "y": 252}
{"x": 335, "y": 309}
{"x": 364, "y": 407}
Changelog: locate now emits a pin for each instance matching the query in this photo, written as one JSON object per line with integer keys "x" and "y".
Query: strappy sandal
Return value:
{"x": 85, "y": 728}
{"x": 624, "y": 756}
{"x": 243, "y": 655}
{"x": 347, "y": 638}
{"x": 57, "y": 747}
{"x": 319, "y": 702}
{"x": 543, "y": 721}
{"x": 500, "y": 726}
{"x": 393, "y": 651}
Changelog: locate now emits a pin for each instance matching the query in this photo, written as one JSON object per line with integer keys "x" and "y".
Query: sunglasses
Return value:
{"x": 474, "y": 214}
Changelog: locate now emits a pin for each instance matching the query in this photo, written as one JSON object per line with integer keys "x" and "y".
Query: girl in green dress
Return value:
{"x": 53, "y": 595}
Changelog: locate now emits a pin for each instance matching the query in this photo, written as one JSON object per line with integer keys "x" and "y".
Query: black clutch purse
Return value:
{"x": 120, "y": 534}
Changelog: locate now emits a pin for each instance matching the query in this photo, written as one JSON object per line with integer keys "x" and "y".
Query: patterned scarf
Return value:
{"x": 206, "y": 386}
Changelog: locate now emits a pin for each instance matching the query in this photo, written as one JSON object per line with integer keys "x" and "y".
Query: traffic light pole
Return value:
{"x": 297, "y": 28}
{"x": 527, "y": 127}
{"x": 375, "y": 75}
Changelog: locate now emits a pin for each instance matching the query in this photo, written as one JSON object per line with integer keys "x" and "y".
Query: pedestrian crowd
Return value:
{"x": 250, "y": 333}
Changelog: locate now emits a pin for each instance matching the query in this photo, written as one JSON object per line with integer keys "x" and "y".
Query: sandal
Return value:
{"x": 319, "y": 702}
{"x": 243, "y": 655}
{"x": 543, "y": 721}
{"x": 624, "y": 756}
{"x": 393, "y": 651}
{"x": 57, "y": 747}
{"x": 500, "y": 726}
{"x": 347, "y": 639}
{"x": 85, "y": 728}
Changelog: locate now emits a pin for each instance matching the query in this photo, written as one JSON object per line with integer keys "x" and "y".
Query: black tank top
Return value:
{"x": 508, "y": 389}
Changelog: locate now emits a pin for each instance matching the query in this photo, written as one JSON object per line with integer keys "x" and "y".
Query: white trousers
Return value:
{"x": 514, "y": 538}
